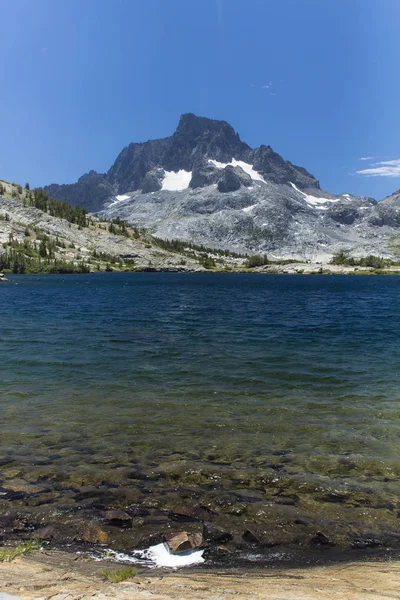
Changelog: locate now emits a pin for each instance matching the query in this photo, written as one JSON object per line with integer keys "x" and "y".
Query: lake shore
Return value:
{"x": 60, "y": 575}
{"x": 273, "y": 268}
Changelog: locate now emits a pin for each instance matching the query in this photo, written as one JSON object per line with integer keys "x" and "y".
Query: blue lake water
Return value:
{"x": 264, "y": 399}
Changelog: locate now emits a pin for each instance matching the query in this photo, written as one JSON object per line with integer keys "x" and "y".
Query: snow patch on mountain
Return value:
{"x": 119, "y": 198}
{"x": 249, "y": 208}
{"x": 247, "y": 168}
{"x": 175, "y": 182}
{"x": 314, "y": 201}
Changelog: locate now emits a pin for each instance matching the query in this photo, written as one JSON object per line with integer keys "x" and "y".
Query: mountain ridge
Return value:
{"x": 194, "y": 140}
{"x": 203, "y": 184}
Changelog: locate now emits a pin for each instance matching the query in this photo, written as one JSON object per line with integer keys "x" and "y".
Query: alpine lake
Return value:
{"x": 260, "y": 410}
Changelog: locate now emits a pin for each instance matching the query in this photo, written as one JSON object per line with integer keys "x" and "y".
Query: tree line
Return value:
{"x": 56, "y": 208}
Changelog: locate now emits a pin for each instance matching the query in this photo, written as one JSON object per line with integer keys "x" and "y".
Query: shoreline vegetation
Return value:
{"x": 274, "y": 268}
{"x": 51, "y": 574}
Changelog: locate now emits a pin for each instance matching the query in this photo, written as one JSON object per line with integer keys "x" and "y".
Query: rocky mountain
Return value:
{"x": 203, "y": 184}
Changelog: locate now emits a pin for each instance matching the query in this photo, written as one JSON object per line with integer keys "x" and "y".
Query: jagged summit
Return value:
{"x": 194, "y": 127}
{"x": 198, "y": 138}
{"x": 195, "y": 142}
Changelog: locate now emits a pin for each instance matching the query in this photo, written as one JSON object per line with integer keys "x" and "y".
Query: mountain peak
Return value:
{"x": 197, "y": 138}
{"x": 195, "y": 142}
{"x": 191, "y": 124}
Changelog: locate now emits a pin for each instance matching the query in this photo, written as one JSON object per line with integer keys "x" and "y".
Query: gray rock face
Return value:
{"x": 274, "y": 168}
{"x": 91, "y": 191}
{"x": 280, "y": 220}
{"x": 232, "y": 178}
{"x": 152, "y": 181}
{"x": 204, "y": 174}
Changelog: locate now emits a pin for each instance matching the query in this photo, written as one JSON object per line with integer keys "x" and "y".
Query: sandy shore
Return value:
{"x": 62, "y": 576}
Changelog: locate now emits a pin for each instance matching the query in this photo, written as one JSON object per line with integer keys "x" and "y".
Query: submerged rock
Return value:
{"x": 320, "y": 539}
{"x": 46, "y": 533}
{"x": 118, "y": 518}
{"x": 259, "y": 537}
{"x": 188, "y": 514}
{"x": 213, "y": 533}
{"x": 367, "y": 543}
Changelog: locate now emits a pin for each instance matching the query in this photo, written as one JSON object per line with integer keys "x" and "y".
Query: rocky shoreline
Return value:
{"x": 240, "y": 527}
{"x": 55, "y": 575}
{"x": 295, "y": 268}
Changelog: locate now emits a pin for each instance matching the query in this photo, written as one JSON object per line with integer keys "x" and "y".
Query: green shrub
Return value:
{"x": 208, "y": 262}
{"x": 256, "y": 261}
{"x": 118, "y": 575}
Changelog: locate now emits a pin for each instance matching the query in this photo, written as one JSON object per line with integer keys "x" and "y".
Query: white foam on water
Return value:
{"x": 247, "y": 168}
{"x": 176, "y": 181}
{"x": 160, "y": 556}
{"x": 314, "y": 201}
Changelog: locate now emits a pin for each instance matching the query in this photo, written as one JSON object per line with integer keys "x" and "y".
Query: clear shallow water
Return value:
{"x": 264, "y": 399}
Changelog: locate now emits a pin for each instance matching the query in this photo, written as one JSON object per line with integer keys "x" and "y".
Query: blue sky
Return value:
{"x": 318, "y": 80}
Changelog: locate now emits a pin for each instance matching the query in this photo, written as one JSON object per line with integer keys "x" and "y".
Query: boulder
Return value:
{"x": 92, "y": 533}
{"x": 232, "y": 178}
{"x": 152, "y": 181}
{"x": 182, "y": 542}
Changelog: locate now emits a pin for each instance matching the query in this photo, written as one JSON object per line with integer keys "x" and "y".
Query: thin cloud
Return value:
{"x": 386, "y": 168}
{"x": 263, "y": 86}
{"x": 367, "y": 158}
